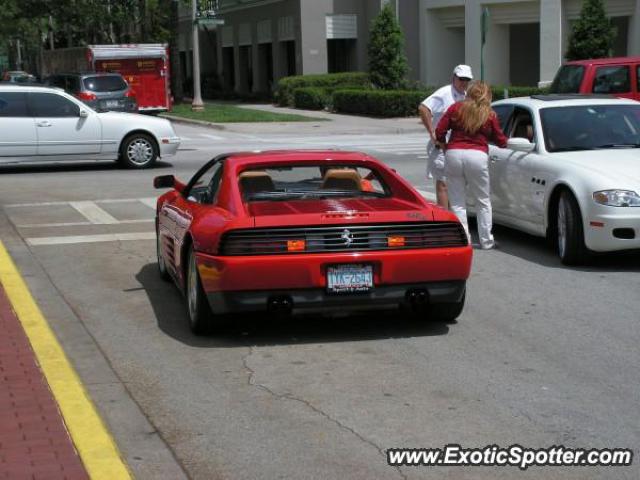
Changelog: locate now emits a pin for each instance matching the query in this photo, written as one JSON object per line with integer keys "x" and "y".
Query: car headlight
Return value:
{"x": 617, "y": 198}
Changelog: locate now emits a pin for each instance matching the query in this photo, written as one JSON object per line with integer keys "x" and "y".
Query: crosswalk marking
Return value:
{"x": 105, "y": 237}
{"x": 81, "y": 224}
{"x": 93, "y": 213}
{"x": 149, "y": 201}
{"x": 212, "y": 137}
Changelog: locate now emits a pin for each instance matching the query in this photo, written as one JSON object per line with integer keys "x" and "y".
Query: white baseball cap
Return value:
{"x": 463, "y": 71}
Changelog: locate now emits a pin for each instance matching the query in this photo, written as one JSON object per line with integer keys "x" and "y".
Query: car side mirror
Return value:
{"x": 164, "y": 181}
{"x": 83, "y": 114}
{"x": 520, "y": 144}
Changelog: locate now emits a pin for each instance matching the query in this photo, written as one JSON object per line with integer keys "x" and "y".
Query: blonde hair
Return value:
{"x": 476, "y": 108}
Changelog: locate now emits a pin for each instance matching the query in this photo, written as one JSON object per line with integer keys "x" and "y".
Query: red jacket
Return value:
{"x": 460, "y": 139}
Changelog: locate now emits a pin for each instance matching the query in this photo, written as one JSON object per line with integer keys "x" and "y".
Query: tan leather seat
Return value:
{"x": 255, "y": 181}
{"x": 342, "y": 179}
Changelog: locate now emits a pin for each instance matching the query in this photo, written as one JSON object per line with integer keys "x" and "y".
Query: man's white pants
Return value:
{"x": 470, "y": 168}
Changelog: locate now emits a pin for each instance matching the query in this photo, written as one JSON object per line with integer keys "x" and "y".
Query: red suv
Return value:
{"x": 618, "y": 76}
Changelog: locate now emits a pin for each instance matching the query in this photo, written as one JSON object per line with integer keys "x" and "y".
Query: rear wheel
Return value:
{"x": 446, "y": 312}
{"x": 138, "y": 150}
{"x": 198, "y": 309}
{"x": 570, "y": 234}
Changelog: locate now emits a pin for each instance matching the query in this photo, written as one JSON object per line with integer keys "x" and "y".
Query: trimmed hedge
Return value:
{"x": 498, "y": 91}
{"x": 380, "y": 103}
{"x": 311, "y": 98}
{"x": 285, "y": 96}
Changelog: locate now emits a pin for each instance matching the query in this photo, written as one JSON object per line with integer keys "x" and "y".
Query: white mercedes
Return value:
{"x": 39, "y": 124}
{"x": 571, "y": 172}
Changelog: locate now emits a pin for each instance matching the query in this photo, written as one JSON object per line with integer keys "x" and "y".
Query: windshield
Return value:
{"x": 568, "y": 79}
{"x": 107, "y": 83}
{"x": 590, "y": 127}
{"x": 307, "y": 182}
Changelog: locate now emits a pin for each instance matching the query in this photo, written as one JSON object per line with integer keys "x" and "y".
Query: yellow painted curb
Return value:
{"x": 90, "y": 436}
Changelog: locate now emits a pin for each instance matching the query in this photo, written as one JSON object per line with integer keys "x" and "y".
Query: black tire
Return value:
{"x": 162, "y": 267}
{"x": 446, "y": 312}
{"x": 198, "y": 309}
{"x": 138, "y": 150}
{"x": 569, "y": 231}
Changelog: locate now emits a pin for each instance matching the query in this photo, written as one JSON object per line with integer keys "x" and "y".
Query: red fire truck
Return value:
{"x": 145, "y": 67}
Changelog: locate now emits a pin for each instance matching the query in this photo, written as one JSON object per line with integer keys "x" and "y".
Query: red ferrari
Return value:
{"x": 287, "y": 230}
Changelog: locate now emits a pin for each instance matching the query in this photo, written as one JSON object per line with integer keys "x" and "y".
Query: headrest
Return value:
{"x": 255, "y": 181}
{"x": 342, "y": 179}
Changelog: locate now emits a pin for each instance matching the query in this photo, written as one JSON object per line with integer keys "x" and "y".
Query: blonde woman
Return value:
{"x": 473, "y": 124}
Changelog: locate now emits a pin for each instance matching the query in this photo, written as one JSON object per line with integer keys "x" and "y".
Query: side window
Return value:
{"x": 205, "y": 187}
{"x": 504, "y": 113}
{"x": 615, "y": 79}
{"x": 521, "y": 125}
{"x": 13, "y": 104}
{"x": 52, "y": 105}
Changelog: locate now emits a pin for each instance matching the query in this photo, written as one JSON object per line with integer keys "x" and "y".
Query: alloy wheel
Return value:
{"x": 140, "y": 151}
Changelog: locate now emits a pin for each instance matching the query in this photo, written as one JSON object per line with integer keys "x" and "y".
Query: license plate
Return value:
{"x": 111, "y": 103}
{"x": 349, "y": 278}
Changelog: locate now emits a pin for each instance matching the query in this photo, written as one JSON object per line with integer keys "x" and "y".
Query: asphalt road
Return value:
{"x": 542, "y": 355}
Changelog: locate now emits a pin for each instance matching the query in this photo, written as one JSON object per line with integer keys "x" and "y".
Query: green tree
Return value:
{"x": 387, "y": 60}
{"x": 592, "y": 35}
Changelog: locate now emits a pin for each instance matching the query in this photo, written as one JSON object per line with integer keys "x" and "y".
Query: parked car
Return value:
{"x": 277, "y": 231}
{"x": 101, "y": 91}
{"x": 39, "y": 124}
{"x": 618, "y": 76}
{"x": 18, "y": 76}
{"x": 571, "y": 171}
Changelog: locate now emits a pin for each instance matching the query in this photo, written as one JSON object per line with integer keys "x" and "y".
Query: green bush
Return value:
{"x": 498, "y": 91}
{"x": 387, "y": 60}
{"x": 284, "y": 94}
{"x": 311, "y": 98}
{"x": 380, "y": 103}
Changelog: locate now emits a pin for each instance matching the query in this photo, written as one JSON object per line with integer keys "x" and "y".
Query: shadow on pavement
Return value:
{"x": 538, "y": 250}
{"x": 261, "y": 329}
{"x": 75, "y": 166}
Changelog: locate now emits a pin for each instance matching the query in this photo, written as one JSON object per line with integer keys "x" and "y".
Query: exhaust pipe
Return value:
{"x": 281, "y": 305}
{"x": 418, "y": 298}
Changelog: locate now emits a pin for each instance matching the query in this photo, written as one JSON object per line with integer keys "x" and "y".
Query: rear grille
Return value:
{"x": 346, "y": 238}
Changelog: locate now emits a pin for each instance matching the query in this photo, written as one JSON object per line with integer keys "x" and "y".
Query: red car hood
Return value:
{"x": 317, "y": 212}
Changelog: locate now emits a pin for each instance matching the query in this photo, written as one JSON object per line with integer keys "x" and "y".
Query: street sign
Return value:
{"x": 210, "y": 21}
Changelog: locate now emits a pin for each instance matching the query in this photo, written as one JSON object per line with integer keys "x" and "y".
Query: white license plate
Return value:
{"x": 111, "y": 103}
{"x": 349, "y": 278}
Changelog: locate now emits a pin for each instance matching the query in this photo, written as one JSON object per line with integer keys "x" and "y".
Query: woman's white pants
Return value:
{"x": 470, "y": 168}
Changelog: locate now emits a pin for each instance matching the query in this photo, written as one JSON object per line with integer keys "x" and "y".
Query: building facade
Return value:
{"x": 264, "y": 40}
{"x": 525, "y": 40}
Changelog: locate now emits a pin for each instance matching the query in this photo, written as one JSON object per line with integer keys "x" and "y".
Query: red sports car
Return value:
{"x": 283, "y": 230}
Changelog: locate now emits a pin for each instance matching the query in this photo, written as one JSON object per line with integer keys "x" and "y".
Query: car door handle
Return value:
{"x": 494, "y": 158}
{"x": 44, "y": 123}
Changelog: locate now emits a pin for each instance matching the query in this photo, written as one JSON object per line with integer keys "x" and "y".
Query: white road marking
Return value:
{"x": 80, "y": 224}
{"x": 212, "y": 137}
{"x": 150, "y": 202}
{"x": 94, "y": 213}
{"x": 104, "y": 200}
{"x": 106, "y": 237}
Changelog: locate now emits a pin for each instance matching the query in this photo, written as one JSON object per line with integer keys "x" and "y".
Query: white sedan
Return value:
{"x": 39, "y": 124}
{"x": 571, "y": 172}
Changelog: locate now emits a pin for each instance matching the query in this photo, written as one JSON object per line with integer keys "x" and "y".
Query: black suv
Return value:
{"x": 101, "y": 91}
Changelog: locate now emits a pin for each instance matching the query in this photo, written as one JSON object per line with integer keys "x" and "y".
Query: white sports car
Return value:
{"x": 39, "y": 124}
{"x": 571, "y": 172}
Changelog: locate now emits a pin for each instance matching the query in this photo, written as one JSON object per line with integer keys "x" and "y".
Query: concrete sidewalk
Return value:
{"x": 332, "y": 124}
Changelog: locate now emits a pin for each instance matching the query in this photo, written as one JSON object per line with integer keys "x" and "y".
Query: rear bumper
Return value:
{"x": 247, "y": 282}
{"x": 251, "y": 301}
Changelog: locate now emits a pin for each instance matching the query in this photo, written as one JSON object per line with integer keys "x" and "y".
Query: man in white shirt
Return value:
{"x": 431, "y": 110}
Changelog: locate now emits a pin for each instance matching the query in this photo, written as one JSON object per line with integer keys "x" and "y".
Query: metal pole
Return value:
{"x": 197, "y": 104}
{"x": 19, "y": 56}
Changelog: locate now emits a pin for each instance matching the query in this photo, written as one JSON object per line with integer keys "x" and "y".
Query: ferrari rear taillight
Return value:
{"x": 86, "y": 96}
{"x": 395, "y": 241}
{"x": 296, "y": 245}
